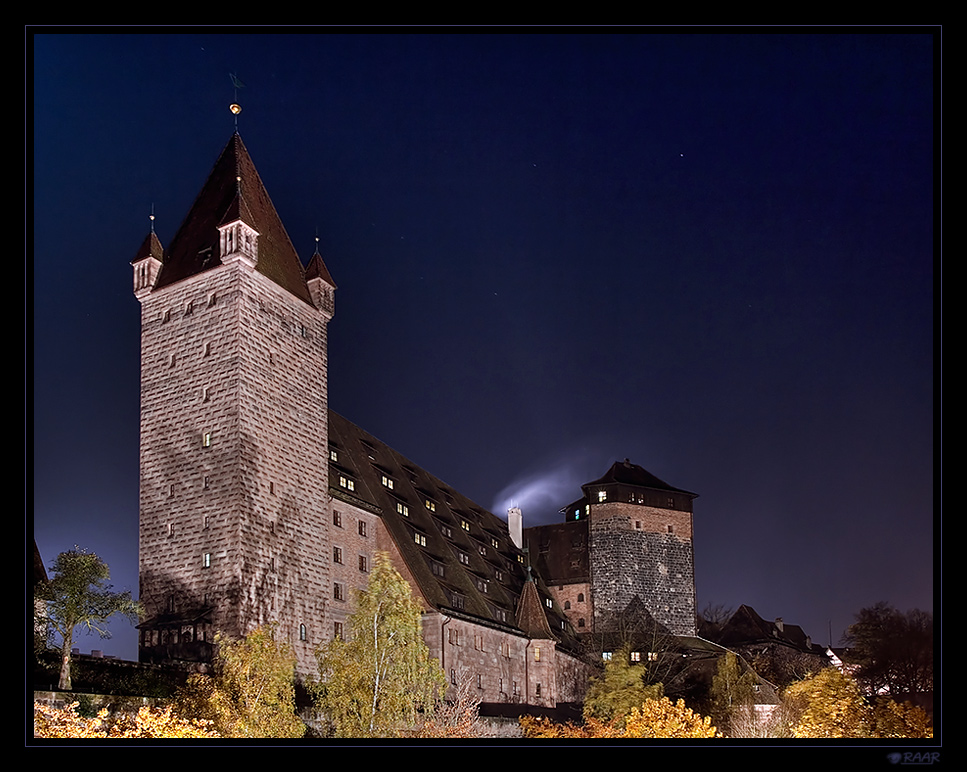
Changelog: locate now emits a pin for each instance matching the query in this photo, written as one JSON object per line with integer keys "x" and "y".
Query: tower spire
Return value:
{"x": 235, "y": 107}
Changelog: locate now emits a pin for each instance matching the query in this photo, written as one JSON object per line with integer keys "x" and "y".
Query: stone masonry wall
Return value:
{"x": 643, "y": 551}
{"x": 234, "y": 465}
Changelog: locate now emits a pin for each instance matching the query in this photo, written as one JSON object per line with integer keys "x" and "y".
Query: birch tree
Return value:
{"x": 380, "y": 681}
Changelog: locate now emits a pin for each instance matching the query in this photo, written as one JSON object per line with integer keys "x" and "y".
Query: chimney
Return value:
{"x": 515, "y": 524}
{"x": 779, "y": 623}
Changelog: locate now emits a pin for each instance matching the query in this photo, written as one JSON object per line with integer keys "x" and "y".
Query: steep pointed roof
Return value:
{"x": 233, "y": 191}
{"x": 530, "y": 613}
{"x": 317, "y": 269}
{"x": 150, "y": 247}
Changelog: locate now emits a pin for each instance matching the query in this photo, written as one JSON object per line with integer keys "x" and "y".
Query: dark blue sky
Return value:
{"x": 713, "y": 254}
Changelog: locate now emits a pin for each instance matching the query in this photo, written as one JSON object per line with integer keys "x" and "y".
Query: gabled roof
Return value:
{"x": 233, "y": 191}
{"x": 464, "y": 560}
{"x": 745, "y": 626}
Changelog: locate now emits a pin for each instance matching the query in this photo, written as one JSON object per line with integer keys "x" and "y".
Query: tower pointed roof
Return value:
{"x": 317, "y": 269}
{"x": 234, "y": 191}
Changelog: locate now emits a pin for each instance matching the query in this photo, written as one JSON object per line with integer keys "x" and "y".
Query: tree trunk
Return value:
{"x": 65, "y": 667}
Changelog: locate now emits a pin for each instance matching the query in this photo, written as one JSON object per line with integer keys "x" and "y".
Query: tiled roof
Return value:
{"x": 626, "y": 473}
{"x": 233, "y": 190}
{"x": 464, "y": 562}
{"x": 150, "y": 247}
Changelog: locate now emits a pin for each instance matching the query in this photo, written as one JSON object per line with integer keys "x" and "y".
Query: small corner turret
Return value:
{"x": 147, "y": 265}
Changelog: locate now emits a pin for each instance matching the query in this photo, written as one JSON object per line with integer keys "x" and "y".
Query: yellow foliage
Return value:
{"x": 893, "y": 720}
{"x": 64, "y": 723}
{"x": 654, "y": 719}
{"x": 662, "y": 718}
{"x": 830, "y": 704}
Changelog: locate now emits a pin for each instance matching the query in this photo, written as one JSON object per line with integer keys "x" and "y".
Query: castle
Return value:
{"x": 259, "y": 504}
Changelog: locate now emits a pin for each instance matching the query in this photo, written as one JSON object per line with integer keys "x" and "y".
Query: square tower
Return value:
{"x": 234, "y": 464}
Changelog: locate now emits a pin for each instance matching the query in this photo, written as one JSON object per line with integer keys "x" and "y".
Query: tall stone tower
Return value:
{"x": 623, "y": 549}
{"x": 234, "y": 503}
{"x": 640, "y": 544}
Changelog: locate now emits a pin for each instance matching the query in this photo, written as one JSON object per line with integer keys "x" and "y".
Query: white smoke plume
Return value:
{"x": 540, "y": 494}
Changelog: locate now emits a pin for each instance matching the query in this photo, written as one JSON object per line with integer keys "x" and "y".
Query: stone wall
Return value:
{"x": 643, "y": 551}
{"x": 234, "y": 463}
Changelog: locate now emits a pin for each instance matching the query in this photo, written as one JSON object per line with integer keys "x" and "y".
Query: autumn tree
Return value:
{"x": 891, "y": 650}
{"x": 828, "y": 704}
{"x": 620, "y": 688}
{"x": 732, "y": 690}
{"x": 251, "y": 693}
{"x": 653, "y": 719}
{"x": 148, "y": 723}
{"x": 79, "y": 595}
{"x": 831, "y": 704}
{"x": 380, "y": 681}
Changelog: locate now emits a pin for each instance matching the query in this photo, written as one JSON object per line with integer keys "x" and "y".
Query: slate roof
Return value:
{"x": 233, "y": 190}
{"x": 468, "y": 565}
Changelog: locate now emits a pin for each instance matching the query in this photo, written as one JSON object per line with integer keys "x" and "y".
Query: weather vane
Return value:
{"x": 235, "y": 107}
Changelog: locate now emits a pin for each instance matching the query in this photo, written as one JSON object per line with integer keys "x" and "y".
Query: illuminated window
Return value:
{"x": 548, "y": 602}
{"x": 347, "y": 483}
{"x": 636, "y": 656}
{"x": 465, "y": 525}
{"x": 206, "y": 440}
{"x": 606, "y": 656}
{"x": 495, "y": 544}
{"x": 333, "y": 455}
{"x": 652, "y": 656}
{"x": 430, "y": 505}
{"x": 303, "y": 634}
{"x": 602, "y": 496}
{"x": 537, "y": 653}
{"x": 465, "y": 558}
{"x": 388, "y": 482}
{"x": 419, "y": 538}
{"x": 402, "y": 509}
{"x": 206, "y": 560}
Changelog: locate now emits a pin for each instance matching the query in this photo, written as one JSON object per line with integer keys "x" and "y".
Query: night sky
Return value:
{"x": 712, "y": 254}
